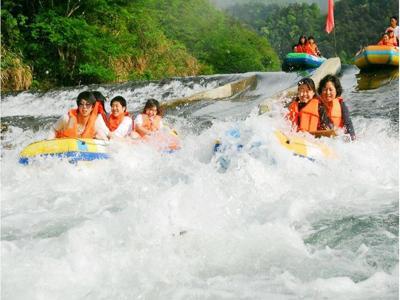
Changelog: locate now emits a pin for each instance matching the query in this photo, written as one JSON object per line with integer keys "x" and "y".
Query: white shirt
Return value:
{"x": 124, "y": 128}
{"x": 395, "y": 30}
{"x": 139, "y": 121}
{"x": 100, "y": 127}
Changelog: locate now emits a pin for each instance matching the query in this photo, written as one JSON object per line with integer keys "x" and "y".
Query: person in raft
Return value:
{"x": 306, "y": 112}
{"x": 313, "y": 46}
{"x": 301, "y": 46}
{"x": 393, "y": 26}
{"x": 149, "y": 121}
{"x": 330, "y": 91}
{"x": 384, "y": 41}
{"x": 119, "y": 122}
{"x": 101, "y": 100}
{"x": 392, "y": 38}
{"x": 82, "y": 122}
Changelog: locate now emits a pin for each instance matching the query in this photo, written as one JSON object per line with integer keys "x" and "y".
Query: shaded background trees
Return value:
{"x": 357, "y": 23}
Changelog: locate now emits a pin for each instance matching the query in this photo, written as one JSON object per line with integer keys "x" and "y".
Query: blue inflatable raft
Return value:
{"x": 301, "y": 61}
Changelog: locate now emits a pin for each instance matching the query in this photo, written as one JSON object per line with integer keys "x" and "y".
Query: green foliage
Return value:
{"x": 214, "y": 38}
{"x": 94, "y": 41}
{"x": 95, "y": 73}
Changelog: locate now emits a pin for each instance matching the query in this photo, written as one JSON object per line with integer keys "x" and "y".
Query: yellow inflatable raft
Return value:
{"x": 72, "y": 149}
{"x": 305, "y": 148}
{"x": 377, "y": 55}
{"x": 233, "y": 143}
{"x": 75, "y": 150}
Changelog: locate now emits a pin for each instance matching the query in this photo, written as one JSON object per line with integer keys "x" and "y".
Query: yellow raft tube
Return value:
{"x": 303, "y": 147}
{"x": 72, "y": 149}
{"x": 77, "y": 149}
{"x": 377, "y": 55}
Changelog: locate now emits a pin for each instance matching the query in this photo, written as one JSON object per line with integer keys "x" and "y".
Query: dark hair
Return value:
{"x": 334, "y": 80}
{"x": 311, "y": 38}
{"x": 308, "y": 82}
{"x": 394, "y": 17}
{"x": 119, "y": 99}
{"x": 152, "y": 103}
{"x": 99, "y": 96}
{"x": 88, "y": 96}
{"x": 302, "y": 36}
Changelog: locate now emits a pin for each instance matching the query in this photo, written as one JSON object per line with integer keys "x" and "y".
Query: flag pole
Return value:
{"x": 330, "y": 21}
{"x": 334, "y": 39}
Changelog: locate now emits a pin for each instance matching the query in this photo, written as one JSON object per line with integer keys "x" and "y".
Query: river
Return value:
{"x": 149, "y": 225}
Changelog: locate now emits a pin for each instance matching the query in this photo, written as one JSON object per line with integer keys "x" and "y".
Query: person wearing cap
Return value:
{"x": 82, "y": 122}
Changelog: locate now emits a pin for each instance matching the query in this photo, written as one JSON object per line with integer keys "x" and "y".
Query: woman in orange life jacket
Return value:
{"x": 83, "y": 122}
{"x": 305, "y": 111}
{"x": 101, "y": 100}
{"x": 392, "y": 38}
{"x": 384, "y": 41}
{"x": 150, "y": 120}
{"x": 330, "y": 91}
{"x": 301, "y": 46}
{"x": 119, "y": 122}
{"x": 313, "y": 46}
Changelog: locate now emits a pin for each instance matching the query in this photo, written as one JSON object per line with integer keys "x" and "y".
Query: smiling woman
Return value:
{"x": 150, "y": 120}
{"x": 118, "y": 121}
{"x": 330, "y": 90}
{"x": 306, "y": 113}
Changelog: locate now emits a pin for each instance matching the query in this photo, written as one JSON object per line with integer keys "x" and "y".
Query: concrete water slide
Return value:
{"x": 219, "y": 93}
{"x": 330, "y": 66}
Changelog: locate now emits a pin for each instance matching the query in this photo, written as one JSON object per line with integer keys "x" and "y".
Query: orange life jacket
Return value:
{"x": 307, "y": 119}
{"x": 301, "y": 48}
{"x": 382, "y": 42}
{"x": 102, "y": 111}
{"x": 113, "y": 121}
{"x": 151, "y": 124}
{"x": 72, "y": 130}
{"x": 304, "y": 49}
{"x": 334, "y": 111}
{"x": 313, "y": 49}
{"x": 392, "y": 41}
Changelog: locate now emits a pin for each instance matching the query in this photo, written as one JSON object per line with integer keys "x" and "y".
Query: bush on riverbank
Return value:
{"x": 15, "y": 76}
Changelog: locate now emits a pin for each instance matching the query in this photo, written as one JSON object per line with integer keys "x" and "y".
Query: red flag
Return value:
{"x": 330, "y": 21}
